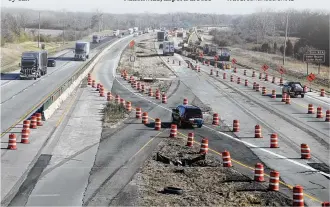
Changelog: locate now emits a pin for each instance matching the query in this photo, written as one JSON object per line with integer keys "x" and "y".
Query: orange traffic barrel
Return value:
{"x": 26, "y": 125}
{"x": 142, "y": 88}
{"x": 284, "y": 96}
{"x": 117, "y": 99}
{"x": 246, "y": 82}
{"x": 157, "y": 94}
{"x": 204, "y": 62}
{"x": 93, "y": 83}
{"x": 109, "y": 96}
{"x": 145, "y": 118}
{"x": 274, "y": 181}
{"x": 259, "y": 172}
{"x": 235, "y": 126}
{"x": 273, "y": 141}
{"x": 305, "y": 151}
{"x": 273, "y": 80}
{"x": 89, "y": 81}
{"x": 138, "y": 86}
{"x": 204, "y": 146}
{"x": 226, "y": 160}
{"x": 215, "y": 119}
{"x": 254, "y": 85}
{"x": 310, "y": 109}
{"x": 128, "y": 106}
{"x": 173, "y": 132}
{"x": 215, "y": 65}
{"x": 257, "y": 131}
{"x": 208, "y": 63}
{"x": 273, "y": 94}
{"x": 12, "y": 142}
{"x": 238, "y": 80}
{"x": 135, "y": 84}
{"x": 102, "y": 92}
{"x": 157, "y": 124}
{"x": 39, "y": 119}
{"x": 122, "y": 101}
{"x": 138, "y": 113}
{"x": 231, "y": 78}
{"x": 224, "y": 76}
{"x": 260, "y": 75}
{"x": 185, "y": 101}
{"x": 319, "y": 113}
{"x": 235, "y": 70}
{"x": 281, "y": 81}
{"x": 322, "y": 92}
{"x": 298, "y": 196}
{"x": 263, "y": 92}
{"x": 327, "y": 116}
{"x": 288, "y": 99}
{"x": 25, "y": 136}
{"x": 190, "y": 141}
{"x": 244, "y": 72}
{"x": 325, "y": 204}
{"x": 33, "y": 122}
{"x": 198, "y": 68}
{"x": 150, "y": 92}
{"x": 305, "y": 89}
{"x": 266, "y": 77}
{"x": 253, "y": 74}
{"x": 98, "y": 87}
{"x": 164, "y": 98}
{"x": 257, "y": 87}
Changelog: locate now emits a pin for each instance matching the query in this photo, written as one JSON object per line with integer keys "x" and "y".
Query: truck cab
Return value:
{"x": 187, "y": 115}
{"x": 293, "y": 89}
{"x": 81, "y": 51}
{"x": 96, "y": 39}
{"x": 33, "y": 64}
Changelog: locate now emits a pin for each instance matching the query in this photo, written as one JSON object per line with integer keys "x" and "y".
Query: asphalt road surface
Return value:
{"x": 18, "y": 96}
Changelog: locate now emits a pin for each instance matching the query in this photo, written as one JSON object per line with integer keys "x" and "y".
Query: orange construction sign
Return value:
{"x": 311, "y": 77}
{"x": 131, "y": 43}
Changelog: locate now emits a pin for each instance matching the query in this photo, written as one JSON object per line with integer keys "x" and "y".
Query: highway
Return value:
{"x": 19, "y": 96}
{"x": 92, "y": 166}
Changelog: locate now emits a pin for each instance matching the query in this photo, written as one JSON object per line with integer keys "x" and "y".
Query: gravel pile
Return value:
{"x": 204, "y": 183}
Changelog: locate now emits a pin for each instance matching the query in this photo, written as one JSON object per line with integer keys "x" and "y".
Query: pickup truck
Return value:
{"x": 294, "y": 89}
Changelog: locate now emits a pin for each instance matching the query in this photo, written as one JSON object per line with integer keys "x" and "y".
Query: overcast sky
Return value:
{"x": 165, "y": 6}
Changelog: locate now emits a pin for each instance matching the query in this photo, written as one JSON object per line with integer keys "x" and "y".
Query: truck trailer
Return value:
{"x": 160, "y": 36}
{"x": 33, "y": 64}
{"x": 130, "y": 30}
{"x": 96, "y": 39}
{"x": 168, "y": 48}
{"x": 116, "y": 33}
{"x": 135, "y": 29}
{"x": 81, "y": 51}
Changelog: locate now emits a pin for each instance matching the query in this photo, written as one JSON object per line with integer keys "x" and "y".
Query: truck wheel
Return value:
{"x": 35, "y": 78}
{"x": 302, "y": 95}
{"x": 45, "y": 72}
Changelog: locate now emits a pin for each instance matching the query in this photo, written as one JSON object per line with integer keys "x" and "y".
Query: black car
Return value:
{"x": 187, "y": 115}
{"x": 51, "y": 63}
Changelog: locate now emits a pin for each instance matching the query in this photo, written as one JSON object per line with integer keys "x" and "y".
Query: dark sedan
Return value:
{"x": 51, "y": 63}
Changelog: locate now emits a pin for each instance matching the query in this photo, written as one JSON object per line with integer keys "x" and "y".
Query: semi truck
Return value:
{"x": 96, "y": 39}
{"x": 33, "y": 64}
{"x": 168, "y": 48}
{"x": 135, "y": 29}
{"x": 130, "y": 30}
{"x": 224, "y": 54}
{"x": 160, "y": 36}
{"x": 116, "y": 33}
{"x": 81, "y": 51}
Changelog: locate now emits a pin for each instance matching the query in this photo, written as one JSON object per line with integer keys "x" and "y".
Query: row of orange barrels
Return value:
{"x": 259, "y": 169}
{"x": 322, "y": 92}
{"x": 33, "y": 123}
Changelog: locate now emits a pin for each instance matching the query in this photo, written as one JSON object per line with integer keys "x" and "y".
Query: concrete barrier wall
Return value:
{"x": 56, "y": 104}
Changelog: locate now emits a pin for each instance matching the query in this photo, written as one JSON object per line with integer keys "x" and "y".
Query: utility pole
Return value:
{"x": 286, "y": 35}
{"x": 39, "y": 32}
{"x": 63, "y": 33}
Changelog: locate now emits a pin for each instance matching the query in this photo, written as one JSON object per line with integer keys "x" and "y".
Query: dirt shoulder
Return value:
{"x": 295, "y": 70}
{"x": 204, "y": 183}
{"x": 148, "y": 68}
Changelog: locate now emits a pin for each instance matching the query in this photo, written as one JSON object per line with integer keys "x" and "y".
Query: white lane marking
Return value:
{"x": 244, "y": 142}
{"x": 45, "y": 195}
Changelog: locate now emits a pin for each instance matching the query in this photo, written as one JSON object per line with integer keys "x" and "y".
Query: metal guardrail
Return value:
{"x": 55, "y": 94}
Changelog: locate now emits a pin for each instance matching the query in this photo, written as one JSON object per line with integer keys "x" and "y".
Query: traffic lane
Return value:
{"x": 16, "y": 107}
{"x": 310, "y": 97}
{"x": 317, "y": 127}
{"x": 215, "y": 142}
{"x": 290, "y": 171}
{"x": 16, "y": 87}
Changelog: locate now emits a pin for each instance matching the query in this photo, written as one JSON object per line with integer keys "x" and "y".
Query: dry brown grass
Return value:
{"x": 112, "y": 113}
{"x": 296, "y": 70}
